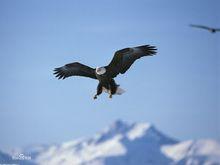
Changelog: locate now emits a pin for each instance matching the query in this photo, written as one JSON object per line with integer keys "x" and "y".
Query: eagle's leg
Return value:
{"x": 112, "y": 88}
{"x": 110, "y": 95}
{"x": 99, "y": 91}
{"x": 95, "y": 96}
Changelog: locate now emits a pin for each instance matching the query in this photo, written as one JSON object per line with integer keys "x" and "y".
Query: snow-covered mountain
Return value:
{"x": 127, "y": 144}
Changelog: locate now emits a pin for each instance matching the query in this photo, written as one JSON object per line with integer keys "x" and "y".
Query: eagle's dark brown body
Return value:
{"x": 121, "y": 62}
{"x": 106, "y": 83}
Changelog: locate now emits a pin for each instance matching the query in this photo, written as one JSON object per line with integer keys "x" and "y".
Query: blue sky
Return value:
{"x": 177, "y": 90}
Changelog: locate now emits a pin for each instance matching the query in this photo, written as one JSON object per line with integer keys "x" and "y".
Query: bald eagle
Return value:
{"x": 121, "y": 62}
{"x": 212, "y": 30}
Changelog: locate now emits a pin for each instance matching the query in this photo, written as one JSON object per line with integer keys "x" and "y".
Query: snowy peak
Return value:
{"x": 133, "y": 132}
{"x": 126, "y": 143}
{"x": 117, "y": 127}
{"x": 138, "y": 130}
{"x": 113, "y": 146}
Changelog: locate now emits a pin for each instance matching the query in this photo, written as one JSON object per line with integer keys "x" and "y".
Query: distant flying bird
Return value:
{"x": 121, "y": 62}
{"x": 212, "y": 30}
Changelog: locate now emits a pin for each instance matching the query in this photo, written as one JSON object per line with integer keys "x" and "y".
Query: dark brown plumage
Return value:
{"x": 121, "y": 62}
{"x": 212, "y": 30}
{"x": 124, "y": 58}
{"x": 74, "y": 69}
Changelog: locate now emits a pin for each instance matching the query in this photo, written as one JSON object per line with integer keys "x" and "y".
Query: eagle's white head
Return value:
{"x": 100, "y": 70}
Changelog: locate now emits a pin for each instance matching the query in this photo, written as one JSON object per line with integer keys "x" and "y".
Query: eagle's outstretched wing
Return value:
{"x": 213, "y": 30}
{"x": 124, "y": 58}
{"x": 200, "y": 26}
{"x": 74, "y": 69}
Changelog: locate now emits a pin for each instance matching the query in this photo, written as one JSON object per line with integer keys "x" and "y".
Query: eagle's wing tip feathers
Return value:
{"x": 150, "y": 49}
{"x": 58, "y": 73}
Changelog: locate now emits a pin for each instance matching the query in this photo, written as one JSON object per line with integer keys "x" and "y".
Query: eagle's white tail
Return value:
{"x": 119, "y": 91}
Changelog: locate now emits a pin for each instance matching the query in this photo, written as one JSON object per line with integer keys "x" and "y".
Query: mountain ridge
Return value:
{"x": 124, "y": 143}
